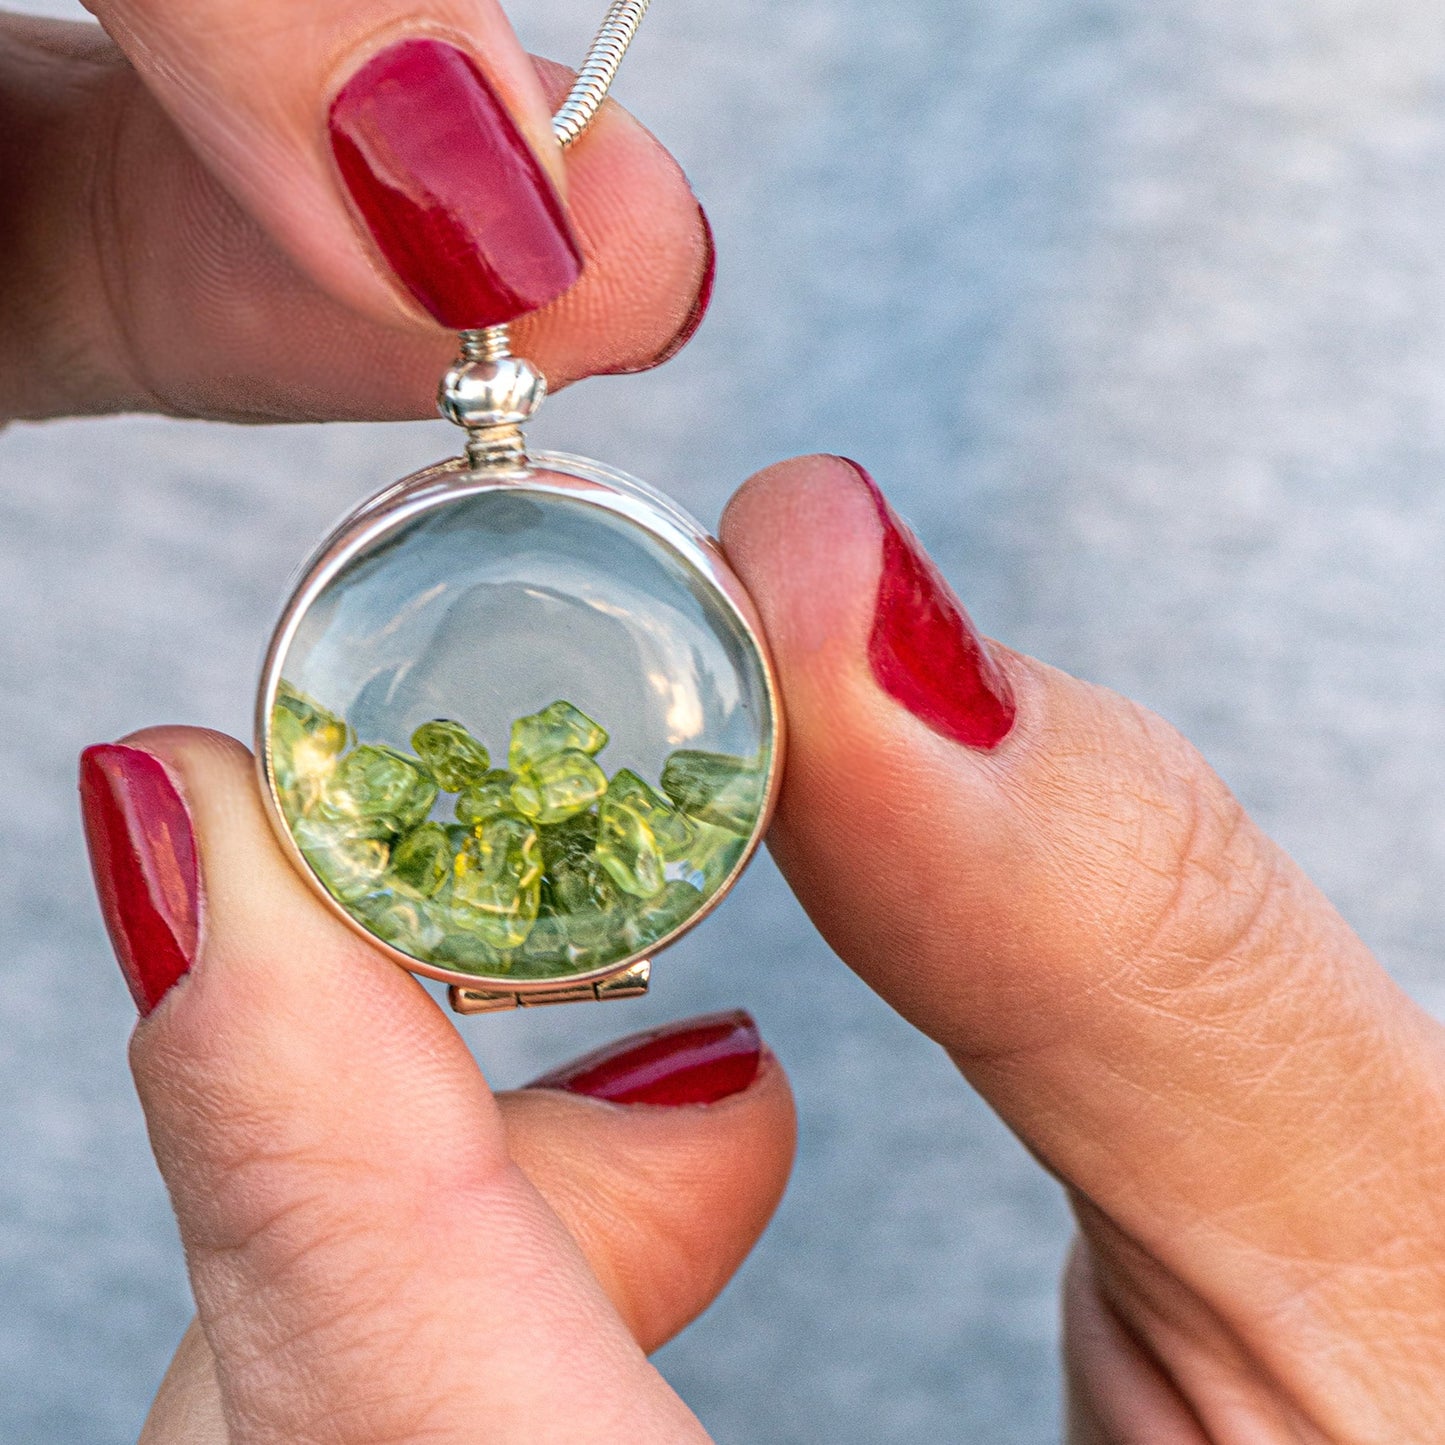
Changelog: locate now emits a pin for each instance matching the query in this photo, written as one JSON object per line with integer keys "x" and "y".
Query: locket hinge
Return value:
{"x": 493, "y": 394}
{"x": 630, "y": 982}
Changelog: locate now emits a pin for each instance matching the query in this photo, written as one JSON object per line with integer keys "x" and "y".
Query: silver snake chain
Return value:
{"x": 577, "y": 112}
{"x": 599, "y": 69}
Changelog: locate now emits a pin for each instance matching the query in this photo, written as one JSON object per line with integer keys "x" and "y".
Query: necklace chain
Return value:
{"x": 488, "y": 391}
{"x": 598, "y": 70}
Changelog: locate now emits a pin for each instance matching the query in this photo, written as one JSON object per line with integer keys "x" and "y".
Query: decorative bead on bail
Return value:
{"x": 493, "y": 394}
{"x": 517, "y": 723}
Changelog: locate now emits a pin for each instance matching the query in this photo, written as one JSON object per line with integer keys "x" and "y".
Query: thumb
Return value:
{"x": 665, "y": 1171}
{"x": 369, "y": 1260}
{"x": 1050, "y": 882}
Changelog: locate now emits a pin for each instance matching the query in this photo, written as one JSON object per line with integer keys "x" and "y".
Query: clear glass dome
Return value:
{"x": 520, "y": 731}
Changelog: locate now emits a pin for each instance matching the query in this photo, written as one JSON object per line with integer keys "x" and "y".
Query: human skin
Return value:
{"x": 1244, "y": 1111}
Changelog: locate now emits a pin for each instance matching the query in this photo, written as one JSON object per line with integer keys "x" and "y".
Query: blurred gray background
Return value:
{"x": 1147, "y": 298}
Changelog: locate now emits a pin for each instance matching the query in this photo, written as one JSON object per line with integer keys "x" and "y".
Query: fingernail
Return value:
{"x": 697, "y": 1061}
{"x": 455, "y": 198}
{"x": 695, "y": 315}
{"x": 143, "y": 855}
{"x": 924, "y": 649}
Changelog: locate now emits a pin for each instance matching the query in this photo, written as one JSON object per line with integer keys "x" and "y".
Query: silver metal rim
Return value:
{"x": 576, "y": 478}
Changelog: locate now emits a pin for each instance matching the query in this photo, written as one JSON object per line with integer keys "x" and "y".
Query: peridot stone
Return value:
{"x": 468, "y": 952}
{"x": 558, "y": 728}
{"x": 346, "y": 860}
{"x": 715, "y": 788}
{"x": 548, "y": 950}
{"x": 628, "y": 851}
{"x": 454, "y": 757}
{"x": 571, "y": 943}
{"x": 416, "y": 926}
{"x": 306, "y": 742}
{"x": 497, "y": 882}
{"x": 572, "y": 879}
{"x": 484, "y": 799}
{"x": 546, "y": 943}
{"x": 381, "y": 790}
{"x": 423, "y": 858}
{"x": 648, "y": 921}
{"x": 296, "y": 716}
{"x": 713, "y": 856}
{"x": 558, "y": 787}
{"x": 672, "y": 832}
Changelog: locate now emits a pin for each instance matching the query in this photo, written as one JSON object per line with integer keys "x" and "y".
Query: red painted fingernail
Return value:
{"x": 925, "y": 650}
{"x": 143, "y": 855}
{"x": 456, "y": 200}
{"x": 697, "y": 1061}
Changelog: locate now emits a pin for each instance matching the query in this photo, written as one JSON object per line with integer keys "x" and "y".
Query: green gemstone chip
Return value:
{"x": 423, "y": 858}
{"x": 487, "y": 797}
{"x": 497, "y": 882}
{"x": 454, "y": 757}
{"x": 558, "y": 787}
{"x": 306, "y": 743}
{"x": 573, "y": 881}
{"x": 546, "y": 868}
{"x": 380, "y": 789}
{"x": 670, "y": 829}
{"x": 627, "y": 849}
{"x": 348, "y": 862}
{"x": 715, "y": 788}
{"x": 559, "y": 728}
{"x": 677, "y": 902}
{"x": 414, "y": 925}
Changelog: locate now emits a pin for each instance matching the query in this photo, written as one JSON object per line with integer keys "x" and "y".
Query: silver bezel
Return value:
{"x": 577, "y": 478}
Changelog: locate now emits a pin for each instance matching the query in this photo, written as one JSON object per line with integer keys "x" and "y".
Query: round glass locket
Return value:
{"x": 520, "y": 729}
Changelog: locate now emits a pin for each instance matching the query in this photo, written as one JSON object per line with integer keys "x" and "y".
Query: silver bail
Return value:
{"x": 493, "y": 394}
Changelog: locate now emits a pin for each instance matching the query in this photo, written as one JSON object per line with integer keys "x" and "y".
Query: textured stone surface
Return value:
{"x": 714, "y": 788}
{"x": 454, "y": 757}
{"x": 558, "y": 728}
{"x": 497, "y": 887}
{"x": 555, "y": 844}
{"x": 1137, "y": 309}
{"x": 558, "y": 787}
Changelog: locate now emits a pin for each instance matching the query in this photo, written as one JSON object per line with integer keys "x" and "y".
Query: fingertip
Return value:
{"x": 279, "y": 992}
{"x": 803, "y": 536}
{"x": 176, "y": 743}
{"x": 665, "y": 1202}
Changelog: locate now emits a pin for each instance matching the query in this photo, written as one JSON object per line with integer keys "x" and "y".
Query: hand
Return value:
{"x": 1044, "y": 878}
{"x": 177, "y": 237}
{"x": 380, "y": 1249}
{"x": 1245, "y": 1111}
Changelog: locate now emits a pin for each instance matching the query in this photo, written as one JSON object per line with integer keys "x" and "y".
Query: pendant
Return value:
{"x": 518, "y": 724}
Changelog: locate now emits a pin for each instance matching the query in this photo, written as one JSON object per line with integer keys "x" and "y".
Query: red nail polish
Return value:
{"x": 697, "y": 1061}
{"x": 143, "y": 855}
{"x": 457, "y": 201}
{"x": 925, "y": 650}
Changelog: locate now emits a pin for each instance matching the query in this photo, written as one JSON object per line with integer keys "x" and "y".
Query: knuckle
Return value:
{"x": 1201, "y": 891}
